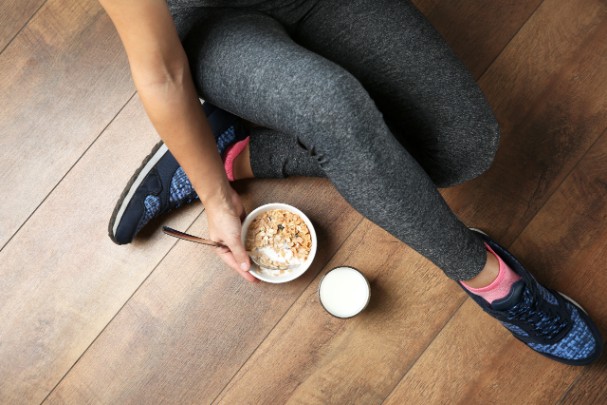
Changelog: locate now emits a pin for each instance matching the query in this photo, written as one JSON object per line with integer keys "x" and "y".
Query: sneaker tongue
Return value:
{"x": 514, "y": 297}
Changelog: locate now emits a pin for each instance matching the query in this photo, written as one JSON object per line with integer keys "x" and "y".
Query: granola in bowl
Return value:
{"x": 279, "y": 236}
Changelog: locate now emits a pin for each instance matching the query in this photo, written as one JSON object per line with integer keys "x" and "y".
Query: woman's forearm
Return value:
{"x": 161, "y": 73}
{"x": 175, "y": 111}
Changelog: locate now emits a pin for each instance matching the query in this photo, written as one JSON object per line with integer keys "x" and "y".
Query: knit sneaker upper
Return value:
{"x": 161, "y": 185}
{"x": 545, "y": 320}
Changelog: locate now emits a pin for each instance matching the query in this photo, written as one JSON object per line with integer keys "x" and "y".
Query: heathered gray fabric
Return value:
{"x": 278, "y": 155}
{"x": 364, "y": 91}
{"x": 186, "y": 12}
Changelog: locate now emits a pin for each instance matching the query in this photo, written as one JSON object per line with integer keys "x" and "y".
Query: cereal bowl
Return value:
{"x": 304, "y": 245}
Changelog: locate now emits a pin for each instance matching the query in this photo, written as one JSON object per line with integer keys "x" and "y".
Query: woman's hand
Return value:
{"x": 225, "y": 226}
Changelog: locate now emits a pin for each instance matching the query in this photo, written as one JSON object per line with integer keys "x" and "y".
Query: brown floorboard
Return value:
{"x": 92, "y": 366}
{"x": 62, "y": 278}
{"x": 479, "y": 359}
{"x": 578, "y": 239}
{"x": 476, "y": 361}
{"x": 555, "y": 110}
{"x": 14, "y": 15}
{"x": 64, "y": 78}
{"x": 312, "y": 357}
{"x": 475, "y": 29}
{"x": 590, "y": 387}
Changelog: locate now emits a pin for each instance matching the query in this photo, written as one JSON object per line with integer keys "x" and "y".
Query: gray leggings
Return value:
{"x": 364, "y": 92}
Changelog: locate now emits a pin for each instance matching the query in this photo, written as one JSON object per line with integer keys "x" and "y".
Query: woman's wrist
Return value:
{"x": 217, "y": 196}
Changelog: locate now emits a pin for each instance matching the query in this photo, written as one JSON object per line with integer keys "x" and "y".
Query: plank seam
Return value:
{"x": 67, "y": 172}
{"x": 556, "y": 188}
{"x": 119, "y": 311}
{"x": 414, "y": 362}
{"x": 582, "y": 372}
{"x": 10, "y": 41}
{"x": 510, "y": 40}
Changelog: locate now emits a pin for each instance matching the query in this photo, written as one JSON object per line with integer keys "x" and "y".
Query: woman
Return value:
{"x": 364, "y": 92}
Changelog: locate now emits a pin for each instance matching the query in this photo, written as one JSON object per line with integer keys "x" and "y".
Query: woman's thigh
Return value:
{"x": 421, "y": 87}
{"x": 246, "y": 63}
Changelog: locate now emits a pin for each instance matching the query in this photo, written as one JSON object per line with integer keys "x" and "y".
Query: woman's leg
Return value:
{"x": 424, "y": 92}
{"x": 421, "y": 87}
{"x": 246, "y": 63}
{"x": 249, "y": 65}
{"x": 277, "y": 155}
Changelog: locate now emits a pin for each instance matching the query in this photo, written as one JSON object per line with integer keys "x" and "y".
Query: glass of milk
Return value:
{"x": 344, "y": 292}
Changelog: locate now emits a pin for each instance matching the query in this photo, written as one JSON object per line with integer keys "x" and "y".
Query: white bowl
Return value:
{"x": 275, "y": 277}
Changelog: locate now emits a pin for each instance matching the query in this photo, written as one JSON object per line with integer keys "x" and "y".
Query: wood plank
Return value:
{"x": 474, "y": 360}
{"x": 312, "y": 357}
{"x": 590, "y": 387}
{"x": 565, "y": 252}
{"x": 14, "y": 14}
{"x": 550, "y": 97}
{"x": 534, "y": 60}
{"x": 191, "y": 326}
{"x": 64, "y": 77}
{"x": 575, "y": 89}
{"x": 475, "y": 30}
{"x": 575, "y": 83}
{"x": 578, "y": 240}
{"x": 62, "y": 278}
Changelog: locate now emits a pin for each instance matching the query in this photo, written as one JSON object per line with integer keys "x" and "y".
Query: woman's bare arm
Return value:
{"x": 162, "y": 77}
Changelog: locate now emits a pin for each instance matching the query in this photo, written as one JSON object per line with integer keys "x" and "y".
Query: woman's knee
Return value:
{"x": 468, "y": 159}
{"x": 342, "y": 107}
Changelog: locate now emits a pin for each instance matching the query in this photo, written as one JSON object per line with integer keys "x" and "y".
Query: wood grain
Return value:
{"x": 550, "y": 98}
{"x": 564, "y": 246}
{"x": 579, "y": 240}
{"x": 312, "y": 357}
{"x": 194, "y": 322}
{"x": 64, "y": 77}
{"x": 477, "y": 31}
{"x": 534, "y": 61}
{"x": 474, "y": 360}
{"x": 590, "y": 387}
{"x": 569, "y": 110}
{"x": 14, "y": 14}
{"x": 62, "y": 278}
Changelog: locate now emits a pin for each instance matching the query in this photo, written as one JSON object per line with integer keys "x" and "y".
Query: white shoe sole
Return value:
{"x": 159, "y": 151}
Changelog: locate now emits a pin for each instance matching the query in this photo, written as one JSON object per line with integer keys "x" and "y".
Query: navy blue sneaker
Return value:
{"x": 160, "y": 184}
{"x": 547, "y": 321}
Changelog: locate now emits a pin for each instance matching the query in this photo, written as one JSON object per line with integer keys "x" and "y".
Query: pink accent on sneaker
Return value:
{"x": 231, "y": 154}
{"x": 501, "y": 286}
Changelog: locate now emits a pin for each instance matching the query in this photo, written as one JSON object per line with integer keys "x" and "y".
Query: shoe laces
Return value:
{"x": 538, "y": 318}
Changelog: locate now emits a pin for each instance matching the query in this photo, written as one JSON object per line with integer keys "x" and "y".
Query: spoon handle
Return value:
{"x": 182, "y": 235}
{"x": 186, "y": 236}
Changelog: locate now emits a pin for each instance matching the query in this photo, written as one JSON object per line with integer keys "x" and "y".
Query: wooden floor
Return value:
{"x": 159, "y": 321}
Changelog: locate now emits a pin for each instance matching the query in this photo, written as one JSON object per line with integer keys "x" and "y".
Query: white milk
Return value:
{"x": 344, "y": 292}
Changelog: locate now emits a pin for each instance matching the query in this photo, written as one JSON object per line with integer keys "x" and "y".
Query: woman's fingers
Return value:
{"x": 225, "y": 226}
{"x": 228, "y": 258}
{"x": 240, "y": 254}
